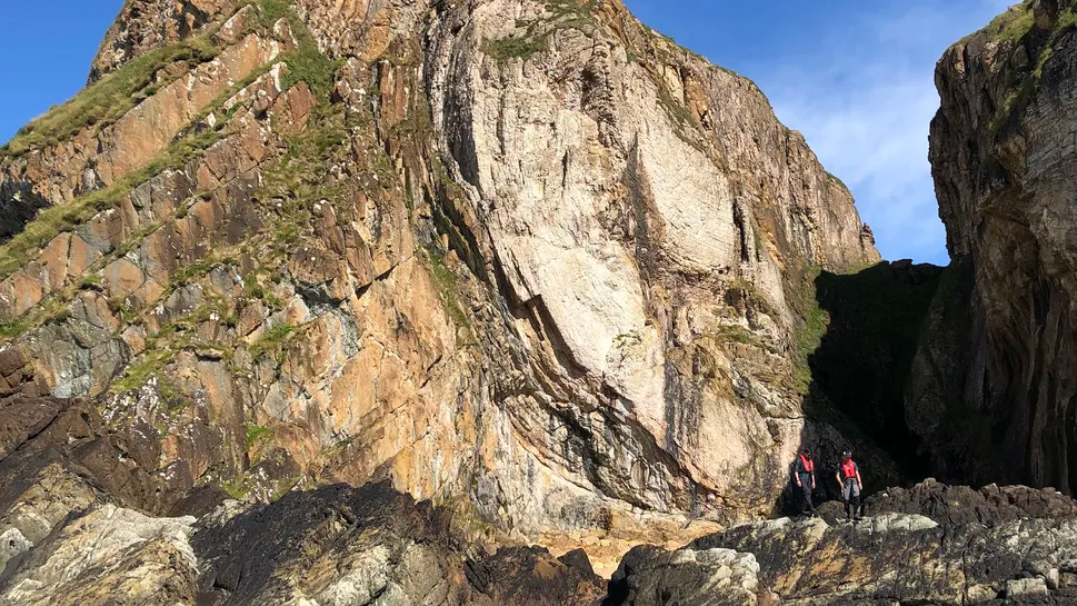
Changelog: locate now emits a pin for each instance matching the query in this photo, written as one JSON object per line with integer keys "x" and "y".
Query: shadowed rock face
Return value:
{"x": 994, "y": 397}
{"x": 865, "y": 359}
{"x": 341, "y": 545}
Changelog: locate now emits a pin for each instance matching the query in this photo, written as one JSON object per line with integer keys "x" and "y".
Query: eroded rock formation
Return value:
{"x": 341, "y": 545}
{"x": 994, "y": 388}
{"x": 891, "y": 559}
{"x": 526, "y": 253}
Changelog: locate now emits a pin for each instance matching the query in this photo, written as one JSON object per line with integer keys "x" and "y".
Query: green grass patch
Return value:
{"x": 271, "y": 11}
{"x": 272, "y": 340}
{"x": 12, "y": 327}
{"x": 573, "y": 13}
{"x": 810, "y": 329}
{"x": 298, "y": 180}
{"x": 832, "y": 177}
{"x": 256, "y": 434}
{"x": 194, "y": 270}
{"x": 108, "y": 99}
{"x": 306, "y": 63}
{"x": 1010, "y": 26}
{"x": 55, "y": 220}
{"x": 239, "y": 487}
{"x": 1020, "y": 97}
{"x": 138, "y": 373}
{"x": 254, "y": 289}
{"x": 507, "y": 49}
{"x": 448, "y": 287}
{"x": 735, "y": 334}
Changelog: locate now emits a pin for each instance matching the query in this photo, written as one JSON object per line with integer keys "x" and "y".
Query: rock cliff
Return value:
{"x": 311, "y": 304}
{"x": 993, "y": 391}
{"x": 529, "y": 254}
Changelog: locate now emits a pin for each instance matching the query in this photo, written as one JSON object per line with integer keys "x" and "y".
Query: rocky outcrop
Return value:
{"x": 340, "y": 545}
{"x": 337, "y": 545}
{"x": 993, "y": 395}
{"x": 372, "y": 545}
{"x": 72, "y": 493}
{"x": 146, "y": 25}
{"x": 960, "y": 505}
{"x": 887, "y": 559}
{"x": 108, "y": 555}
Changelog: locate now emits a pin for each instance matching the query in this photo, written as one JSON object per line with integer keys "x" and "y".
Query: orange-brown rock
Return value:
{"x": 563, "y": 288}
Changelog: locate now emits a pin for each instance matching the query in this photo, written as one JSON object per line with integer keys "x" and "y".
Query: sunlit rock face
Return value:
{"x": 529, "y": 254}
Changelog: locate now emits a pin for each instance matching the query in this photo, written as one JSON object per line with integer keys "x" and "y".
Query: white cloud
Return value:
{"x": 865, "y": 103}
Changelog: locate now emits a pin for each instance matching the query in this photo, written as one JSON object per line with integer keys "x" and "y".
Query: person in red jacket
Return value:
{"x": 851, "y": 485}
{"x": 804, "y": 475}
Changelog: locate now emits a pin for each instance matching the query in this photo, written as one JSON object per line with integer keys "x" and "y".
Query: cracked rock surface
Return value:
{"x": 289, "y": 244}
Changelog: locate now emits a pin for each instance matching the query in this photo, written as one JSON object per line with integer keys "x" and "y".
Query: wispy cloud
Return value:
{"x": 865, "y": 102}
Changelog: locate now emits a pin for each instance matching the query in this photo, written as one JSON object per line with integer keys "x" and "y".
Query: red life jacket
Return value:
{"x": 848, "y": 469}
{"x": 809, "y": 465}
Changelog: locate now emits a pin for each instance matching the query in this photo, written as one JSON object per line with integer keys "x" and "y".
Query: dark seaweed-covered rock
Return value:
{"x": 370, "y": 545}
{"x": 651, "y": 576}
{"x": 958, "y": 505}
{"x": 890, "y": 558}
{"x": 992, "y": 505}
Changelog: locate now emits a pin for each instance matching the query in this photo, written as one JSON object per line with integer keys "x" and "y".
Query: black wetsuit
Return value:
{"x": 805, "y": 475}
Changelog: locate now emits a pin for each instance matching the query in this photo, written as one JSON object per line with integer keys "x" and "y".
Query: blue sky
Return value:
{"x": 855, "y": 76}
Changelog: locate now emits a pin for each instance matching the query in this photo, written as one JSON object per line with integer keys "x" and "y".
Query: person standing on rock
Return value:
{"x": 804, "y": 474}
{"x": 851, "y": 485}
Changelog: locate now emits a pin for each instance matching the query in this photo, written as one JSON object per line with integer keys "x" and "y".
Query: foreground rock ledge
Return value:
{"x": 341, "y": 545}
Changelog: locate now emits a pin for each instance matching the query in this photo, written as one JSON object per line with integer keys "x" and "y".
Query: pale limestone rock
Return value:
{"x": 109, "y": 550}
{"x": 892, "y": 522}
{"x": 1025, "y": 587}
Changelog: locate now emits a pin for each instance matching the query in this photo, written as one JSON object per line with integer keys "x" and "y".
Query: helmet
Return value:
{"x": 846, "y": 455}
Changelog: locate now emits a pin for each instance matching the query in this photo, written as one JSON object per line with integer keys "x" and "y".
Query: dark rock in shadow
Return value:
{"x": 367, "y": 542}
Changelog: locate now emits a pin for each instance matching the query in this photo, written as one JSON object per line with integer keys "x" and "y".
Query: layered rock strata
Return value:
{"x": 993, "y": 394}
{"x": 529, "y": 254}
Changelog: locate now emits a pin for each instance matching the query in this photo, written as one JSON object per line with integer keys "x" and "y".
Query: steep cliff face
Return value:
{"x": 995, "y": 393}
{"x": 525, "y": 255}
